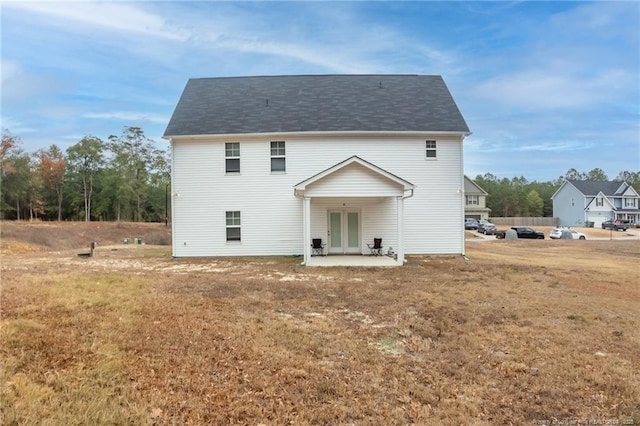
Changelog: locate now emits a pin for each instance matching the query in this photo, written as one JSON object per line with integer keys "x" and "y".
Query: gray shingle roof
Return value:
{"x": 593, "y": 187}
{"x": 313, "y": 103}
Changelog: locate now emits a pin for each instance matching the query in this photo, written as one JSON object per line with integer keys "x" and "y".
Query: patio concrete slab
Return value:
{"x": 352, "y": 260}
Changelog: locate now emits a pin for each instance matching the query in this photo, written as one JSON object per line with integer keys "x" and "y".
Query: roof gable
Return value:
{"x": 630, "y": 192}
{"x": 315, "y": 103}
{"x": 406, "y": 185}
{"x": 605, "y": 199}
{"x": 565, "y": 183}
{"x": 472, "y": 188}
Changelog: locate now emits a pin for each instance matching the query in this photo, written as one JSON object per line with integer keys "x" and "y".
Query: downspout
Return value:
{"x": 305, "y": 237}
{"x": 400, "y": 224}
{"x": 404, "y": 197}
{"x": 462, "y": 197}
{"x": 173, "y": 201}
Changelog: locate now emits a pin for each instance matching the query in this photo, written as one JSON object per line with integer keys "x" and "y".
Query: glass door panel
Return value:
{"x": 353, "y": 238}
{"x": 344, "y": 231}
{"x": 335, "y": 230}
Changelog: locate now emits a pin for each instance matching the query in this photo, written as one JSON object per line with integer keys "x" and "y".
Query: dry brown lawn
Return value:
{"x": 524, "y": 332}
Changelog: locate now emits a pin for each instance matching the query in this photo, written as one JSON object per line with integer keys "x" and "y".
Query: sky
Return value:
{"x": 544, "y": 86}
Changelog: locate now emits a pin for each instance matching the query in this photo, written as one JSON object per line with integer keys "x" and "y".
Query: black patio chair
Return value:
{"x": 317, "y": 247}
{"x": 376, "y": 247}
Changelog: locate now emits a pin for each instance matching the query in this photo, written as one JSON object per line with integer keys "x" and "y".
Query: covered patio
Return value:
{"x": 352, "y": 260}
{"x": 349, "y": 205}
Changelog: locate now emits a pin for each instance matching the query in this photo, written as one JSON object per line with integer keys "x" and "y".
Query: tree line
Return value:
{"x": 517, "y": 197}
{"x": 126, "y": 178}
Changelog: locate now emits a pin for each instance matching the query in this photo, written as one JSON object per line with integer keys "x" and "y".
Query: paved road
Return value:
{"x": 617, "y": 235}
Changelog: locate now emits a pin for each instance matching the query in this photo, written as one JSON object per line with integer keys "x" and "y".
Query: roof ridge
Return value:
{"x": 313, "y": 75}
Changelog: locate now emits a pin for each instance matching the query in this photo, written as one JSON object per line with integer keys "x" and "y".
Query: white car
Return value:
{"x": 557, "y": 234}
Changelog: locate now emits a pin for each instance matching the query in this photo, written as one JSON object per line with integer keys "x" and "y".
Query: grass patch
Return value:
{"x": 578, "y": 318}
{"x": 62, "y": 362}
{"x": 524, "y": 331}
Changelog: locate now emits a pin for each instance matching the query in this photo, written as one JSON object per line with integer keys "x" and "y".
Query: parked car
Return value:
{"x": 487, "y": 229}
{"x": 616, "y": 225}
{"x": 556, "y": 233}
{"x": 482, "y": 223}
{"x": 523, "y": 232}
{"x": 470, "y": 223}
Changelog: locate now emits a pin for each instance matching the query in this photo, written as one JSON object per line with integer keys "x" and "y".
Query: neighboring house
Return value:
{"x": 475, "y": 201}
{"x": 577, "y": 202}
{"x": 263, "y": 165}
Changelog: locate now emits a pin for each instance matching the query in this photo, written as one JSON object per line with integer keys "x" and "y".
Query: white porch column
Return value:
{"x": 306, "y": 221}
{"x": 400, "y": 218}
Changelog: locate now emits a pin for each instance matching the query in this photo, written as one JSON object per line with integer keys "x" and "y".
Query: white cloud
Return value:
{"x": 15, "y": 126}
{"x": 584, "y": 58}
{"x": 547, "y": 89}
{"x": 324, "y": 57}
{"x": 114, "y": 16}
{"x": 604, "y": 19}
{"x": 340, "y": 38}
{"x": 19, "y": 86}
{"x": 10, "y": 70}
{"x": 127, "y": 116}
{"x": 554, "y": 146}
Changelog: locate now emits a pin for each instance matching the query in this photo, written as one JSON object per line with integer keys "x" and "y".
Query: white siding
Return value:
{"x": 271, "y": 217}
{"x": 354, "y": 180}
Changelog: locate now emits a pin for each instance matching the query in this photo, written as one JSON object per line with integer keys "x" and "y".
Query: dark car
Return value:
{"x": 523, "y": 232}
{"x": 616, "y": 225}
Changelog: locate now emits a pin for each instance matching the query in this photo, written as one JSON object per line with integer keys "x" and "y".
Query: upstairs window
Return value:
{"x": 233, "y": 226}
{"x": 232, "y": 157}
{"x": 278, "y": 159}
{"x": 472, "y": 200}
{"x": 431, "y": 149}
{"x": 599, "y": 202}
{"x": 629, "y": 202}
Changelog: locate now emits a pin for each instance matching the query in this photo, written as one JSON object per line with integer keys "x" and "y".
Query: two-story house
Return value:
{"x": 475, "y": 201}
{"x": 577, "y": 202}
{"x": 265, "y": 165}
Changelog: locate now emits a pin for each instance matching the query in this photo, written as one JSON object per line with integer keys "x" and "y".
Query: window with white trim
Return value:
{"x": 599, "y": 202}
{"x": 278, "y": 159}
{"x": 629, "y": 202}
{"x": 232, "y": 157}
{"x": 472, "y": 200}
{"x": 233, "y": 226}
{"x": 430, "y": 149}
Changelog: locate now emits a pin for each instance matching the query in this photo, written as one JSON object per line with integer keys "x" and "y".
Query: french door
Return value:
{"x": 344, "y": 231}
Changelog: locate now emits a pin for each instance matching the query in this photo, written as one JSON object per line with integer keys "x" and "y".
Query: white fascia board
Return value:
{"x": 270, "y": 135}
